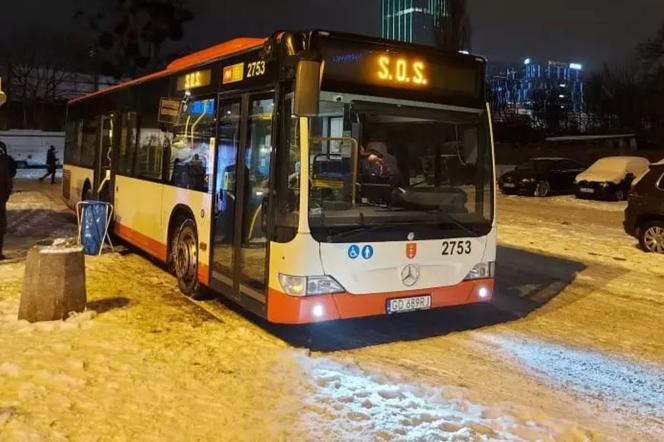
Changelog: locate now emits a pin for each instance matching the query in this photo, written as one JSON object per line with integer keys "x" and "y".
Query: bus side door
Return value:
{"x": 244, "y": 153}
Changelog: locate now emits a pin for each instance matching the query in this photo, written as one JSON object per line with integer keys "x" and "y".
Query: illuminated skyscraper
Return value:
{"x": 412, "y": 21}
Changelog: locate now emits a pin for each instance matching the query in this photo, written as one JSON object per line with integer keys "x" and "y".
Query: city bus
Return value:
{"x": 308, "y": 176}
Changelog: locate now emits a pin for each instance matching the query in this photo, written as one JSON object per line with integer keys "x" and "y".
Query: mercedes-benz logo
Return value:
{"x": 410, "y": 275}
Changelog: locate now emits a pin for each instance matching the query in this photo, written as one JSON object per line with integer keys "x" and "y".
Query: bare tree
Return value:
{"x": 129, "y": 35}
{"x": 452, "y": 28}
{"x": 37, "y": 67}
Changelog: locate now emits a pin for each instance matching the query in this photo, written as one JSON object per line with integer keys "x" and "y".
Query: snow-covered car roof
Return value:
{"x": 637, "y": 163}
{"x": 614, "y": 169}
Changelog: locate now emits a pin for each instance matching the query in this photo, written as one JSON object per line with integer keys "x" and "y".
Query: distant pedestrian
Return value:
{"x": 51, "y": 164}
{"x": 7, "y": 173}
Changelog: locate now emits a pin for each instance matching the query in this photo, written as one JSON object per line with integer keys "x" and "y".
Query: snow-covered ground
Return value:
{"x": 571, "y": 349}
{"x": 34, "y": 174}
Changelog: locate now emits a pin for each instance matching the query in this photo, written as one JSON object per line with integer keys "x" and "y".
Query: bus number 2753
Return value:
{"x": 256, "y": 69}
{"x": 451, "y": 248}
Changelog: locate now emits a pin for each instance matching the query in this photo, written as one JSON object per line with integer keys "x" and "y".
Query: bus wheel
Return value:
{"x": 185, "y": 258}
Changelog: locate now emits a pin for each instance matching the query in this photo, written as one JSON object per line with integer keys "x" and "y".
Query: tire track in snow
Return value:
{"x": 612, "y": 382}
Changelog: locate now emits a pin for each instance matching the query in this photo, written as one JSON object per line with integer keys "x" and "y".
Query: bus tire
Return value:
{"x": 185, "y": 258}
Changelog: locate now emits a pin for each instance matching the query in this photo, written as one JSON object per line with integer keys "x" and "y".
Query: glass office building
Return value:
{"x": 412, "y": 21}
{"x": 516, "y": 86}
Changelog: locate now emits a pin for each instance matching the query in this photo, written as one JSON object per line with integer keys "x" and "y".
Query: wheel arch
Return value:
{"x": 644, "y": 219}
{"x": 179, "y": 213}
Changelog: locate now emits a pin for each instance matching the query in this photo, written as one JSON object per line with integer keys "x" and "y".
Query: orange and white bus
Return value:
{"x": 309, "y": 176}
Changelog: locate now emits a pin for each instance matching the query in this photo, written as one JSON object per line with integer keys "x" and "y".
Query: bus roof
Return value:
{"x": 221, "y": 50}
{"x": 242, "y": 44}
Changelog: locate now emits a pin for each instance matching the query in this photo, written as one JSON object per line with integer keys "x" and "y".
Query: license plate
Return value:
{"x": 587, "y": 190}
{"x": 403, "y": 305}
{"x": 509, "y": 185}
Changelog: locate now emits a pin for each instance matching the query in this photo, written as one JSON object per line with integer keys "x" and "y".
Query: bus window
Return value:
{"x": 415, "y": 165}
{"x": 73, "y": 142}
{"x": 150, "y": 153}
{"x": 190, "y": 164}
{"x": 128, "y": 137}
{"x": 89, "y": 142}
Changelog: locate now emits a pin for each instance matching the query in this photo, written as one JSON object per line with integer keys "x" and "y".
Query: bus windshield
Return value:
{"x": 383, "y": 170}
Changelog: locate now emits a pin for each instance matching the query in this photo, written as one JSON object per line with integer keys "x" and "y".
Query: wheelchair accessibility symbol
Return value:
{"x": 354, "y": 252}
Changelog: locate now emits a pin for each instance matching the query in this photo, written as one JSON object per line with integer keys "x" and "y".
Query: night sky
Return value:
{"x": 588, "y": 31}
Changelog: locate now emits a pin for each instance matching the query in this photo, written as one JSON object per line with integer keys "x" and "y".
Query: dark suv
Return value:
{"x": 644, "y": 216}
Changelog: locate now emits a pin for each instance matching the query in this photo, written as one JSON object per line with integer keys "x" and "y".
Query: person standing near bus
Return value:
{"x": 7, "y": 173}
{"x": 51, "y": 164}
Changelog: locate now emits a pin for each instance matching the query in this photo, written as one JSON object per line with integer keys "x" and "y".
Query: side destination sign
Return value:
{"x": 243, "y": 71}
{"x": 194, "y": 80}
{"x": 233, "y": 73}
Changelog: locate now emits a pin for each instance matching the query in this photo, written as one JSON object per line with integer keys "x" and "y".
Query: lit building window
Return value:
{"x": 411, "y": 21}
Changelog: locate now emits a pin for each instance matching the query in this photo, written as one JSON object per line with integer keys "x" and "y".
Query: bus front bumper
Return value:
{"x": 285, "y": 309}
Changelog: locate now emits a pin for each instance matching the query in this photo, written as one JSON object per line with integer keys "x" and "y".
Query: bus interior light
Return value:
{"x": 482, "y": 270}
{"x": 309, "y": 286}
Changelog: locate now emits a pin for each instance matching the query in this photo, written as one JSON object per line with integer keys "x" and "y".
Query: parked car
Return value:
{"x": 541, "y": 177}
{"x": 644, "y": 216}
{"x": 610, "y": 178}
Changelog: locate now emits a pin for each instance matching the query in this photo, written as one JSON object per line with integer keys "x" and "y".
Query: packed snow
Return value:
{"x": 570, "y": 349}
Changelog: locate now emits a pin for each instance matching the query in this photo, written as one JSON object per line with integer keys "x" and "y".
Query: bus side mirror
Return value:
{"x": 307, "y": 88}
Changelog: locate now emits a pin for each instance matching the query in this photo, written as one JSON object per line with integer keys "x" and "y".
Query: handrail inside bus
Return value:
{"x": 354, "y": 158}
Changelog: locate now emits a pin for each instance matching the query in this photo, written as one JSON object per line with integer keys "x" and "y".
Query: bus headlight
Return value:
{"x": 309, "y": 285}
{"x": 482, "y": 270}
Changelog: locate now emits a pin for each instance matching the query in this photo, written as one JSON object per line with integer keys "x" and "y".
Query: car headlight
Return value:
{"x": 309, "y": 285}
{"x": 528, "y": 180}
{"x": 482, "y": 270}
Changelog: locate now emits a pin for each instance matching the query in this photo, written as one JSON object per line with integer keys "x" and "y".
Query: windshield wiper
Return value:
{"x": 365, "y": 229}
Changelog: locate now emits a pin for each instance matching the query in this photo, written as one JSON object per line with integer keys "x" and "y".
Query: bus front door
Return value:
{"x": 225, "y": 197}
{"x": 244, "y": 152}
{"x": 103, "y": 178}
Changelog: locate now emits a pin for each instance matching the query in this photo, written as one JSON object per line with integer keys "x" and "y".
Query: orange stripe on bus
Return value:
{"x": 286, "y": 309}
{"x": 143, "y": 242}
{"x": 203, "y": 274}
{"x": 227, "y": 48}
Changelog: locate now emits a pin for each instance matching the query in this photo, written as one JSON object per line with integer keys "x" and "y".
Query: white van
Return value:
{"x": 28, "y": 147}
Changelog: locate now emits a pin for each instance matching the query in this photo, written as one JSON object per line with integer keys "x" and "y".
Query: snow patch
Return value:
{"x": 359, "y": 405}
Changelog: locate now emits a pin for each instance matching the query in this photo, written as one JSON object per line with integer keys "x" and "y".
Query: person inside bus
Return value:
{"x": 196, "y": 172}
{"x": 7, "y": 173}
{"x": 51, "y": 165}
{"x": 378, "y": 165}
